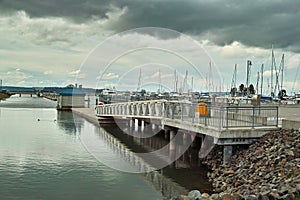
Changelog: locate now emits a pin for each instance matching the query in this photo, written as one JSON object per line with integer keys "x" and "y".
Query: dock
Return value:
{"x": 225, "y": 126}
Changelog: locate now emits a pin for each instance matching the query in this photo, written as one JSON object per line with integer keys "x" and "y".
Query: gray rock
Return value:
{"x": 215, "y": 197}
{"x": 267, "y": 176}
{"x": 237, "y": 196}
{"x": 183, "y": 197}
{"x": 251, "y": 197}
{"x": 273, "y": 195}
{"x": 227, "y": 197}
{"x": 288, "y": 197}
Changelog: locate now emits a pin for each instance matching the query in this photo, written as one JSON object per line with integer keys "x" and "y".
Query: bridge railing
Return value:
{"x": 221, "y": 117}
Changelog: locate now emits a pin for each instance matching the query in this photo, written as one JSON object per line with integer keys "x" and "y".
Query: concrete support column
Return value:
{"x": 142, "y": 125}
{"x": 139, "y": 125}
{"x": 136, "y": 121}
{"x": 184, "y": 139}
{"x": 172, "y": 135}
{"x": 167, "y": 134}
{"x": 154, "y": 127}
{"x": 172, "y": 147}
{"x": 146, "y": 130}
{"x": 130, "y": 123}
{"x": 194, "y": 141}
{"x": 227, "y": 153}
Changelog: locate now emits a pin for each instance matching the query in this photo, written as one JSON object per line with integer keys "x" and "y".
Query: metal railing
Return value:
{"x": 211, "y": 116}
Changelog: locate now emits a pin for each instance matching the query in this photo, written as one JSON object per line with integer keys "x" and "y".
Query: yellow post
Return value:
{"x": 202, "y": 109}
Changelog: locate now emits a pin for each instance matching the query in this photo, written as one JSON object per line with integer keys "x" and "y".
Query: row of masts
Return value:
{"x": 182, "y": 88}
{"x": 272, "y": 88}
{"x": 278, "y": 86}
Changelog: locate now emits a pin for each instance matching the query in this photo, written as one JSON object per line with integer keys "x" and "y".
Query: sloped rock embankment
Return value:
{"x": 268, "y": 169}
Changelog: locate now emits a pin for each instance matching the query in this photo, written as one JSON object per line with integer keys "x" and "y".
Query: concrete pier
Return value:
{"x": 228, "y": 126}
{"x": 227, "y": 153}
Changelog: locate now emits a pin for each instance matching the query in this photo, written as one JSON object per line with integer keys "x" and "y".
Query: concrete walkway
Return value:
{"x": 88, "y": 114}
{"x": 290, "y": 115}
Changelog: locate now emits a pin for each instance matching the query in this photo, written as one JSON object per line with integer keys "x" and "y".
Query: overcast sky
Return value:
{"x": 57, "y": 42}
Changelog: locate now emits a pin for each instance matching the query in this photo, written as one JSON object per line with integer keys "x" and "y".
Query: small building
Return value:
{"x": 70, "y": 98}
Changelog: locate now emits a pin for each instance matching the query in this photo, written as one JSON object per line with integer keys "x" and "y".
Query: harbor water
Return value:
{"x": 43, "y": 156}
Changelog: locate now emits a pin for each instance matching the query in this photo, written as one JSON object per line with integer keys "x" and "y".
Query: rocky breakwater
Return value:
{"x": 268, "y": 169}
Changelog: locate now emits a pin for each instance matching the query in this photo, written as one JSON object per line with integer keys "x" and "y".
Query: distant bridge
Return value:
{"x": 225, "y": 125}
{"x": 20, "y": 90}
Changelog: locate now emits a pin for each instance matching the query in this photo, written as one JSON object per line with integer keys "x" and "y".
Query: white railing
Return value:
{"x": 214, "y": 116}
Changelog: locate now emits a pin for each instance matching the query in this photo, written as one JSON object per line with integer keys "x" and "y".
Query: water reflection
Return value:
{"x": 45, "y": 160}
{"x": 186, "y": 173}
{"x": 69, "y": 123}
{"x": 167, "y": 186}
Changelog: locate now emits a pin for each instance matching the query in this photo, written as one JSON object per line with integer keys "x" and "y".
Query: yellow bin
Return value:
{"x": 202, "y": 109}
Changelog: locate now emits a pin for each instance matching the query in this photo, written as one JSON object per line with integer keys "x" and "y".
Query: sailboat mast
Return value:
{"x": 272, "y": 66}
{"x": 249, "y": 63}
{"x": 257, "y": 81}
{"x": 210, "y": 85}
{"x": 159, "y": 81}
{"x": 192, "y": 84}
{"x": 262, "y": 79}
{"x": 140, "y": 80}
{"x": 233, "y": 84}
{"x": 282, "y": 66}
{"x": 176, "y": 81}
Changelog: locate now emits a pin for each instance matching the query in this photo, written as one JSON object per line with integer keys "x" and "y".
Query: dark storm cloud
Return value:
{"x": 254, "y": 23}
{"x": 77, "y": 10}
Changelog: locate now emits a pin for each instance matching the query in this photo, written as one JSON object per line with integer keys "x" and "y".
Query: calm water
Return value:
{"x": 42, "y": 157}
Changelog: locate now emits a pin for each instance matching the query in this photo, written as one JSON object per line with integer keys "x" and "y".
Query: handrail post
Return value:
{"x": 181, "y": 111}
{"x": 277, "y": 115}
{"x": 172, "y": 110}
{"x": 193, "y": 113}
{"x": 163, "y": 110}
{"x": 253, "y": 109}
{"x": 227, "y": 116}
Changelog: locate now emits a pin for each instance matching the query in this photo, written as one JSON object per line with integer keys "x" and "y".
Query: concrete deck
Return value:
{"x": 290, "y": 115}
{"x": 88, "y": 114}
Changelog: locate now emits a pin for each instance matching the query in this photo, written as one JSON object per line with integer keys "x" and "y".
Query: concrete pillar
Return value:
{"x": 140, "y": 124}
{"x": 184, "y": 139}
{"x": 147, "y": 130}
{"x": 130, "y": 124}
{"x": 167, "y": 134}
{"x": 154, "y": 127}
{"x": 136, "y": 121}
{"x": 194, "y": 141}
{"x": 172, "y": 147}
{"x": 227, "y": 153}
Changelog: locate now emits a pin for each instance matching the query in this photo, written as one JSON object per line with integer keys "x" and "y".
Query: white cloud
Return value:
{"x": 238, "y": 50}
{"x": 15, "y": 77}
{"x": 109, "y": 76}
{"x": 77, "y": 74}
{"x": 48, "y": 72}
{"x": 54, "y": 30}
{"x": 268, "y": 73}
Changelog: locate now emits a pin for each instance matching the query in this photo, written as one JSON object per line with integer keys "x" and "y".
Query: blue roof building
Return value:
{"x": 70, "y": 98}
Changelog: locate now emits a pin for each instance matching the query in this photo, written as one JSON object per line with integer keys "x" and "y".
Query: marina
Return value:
{"x": 40, "y": 169}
